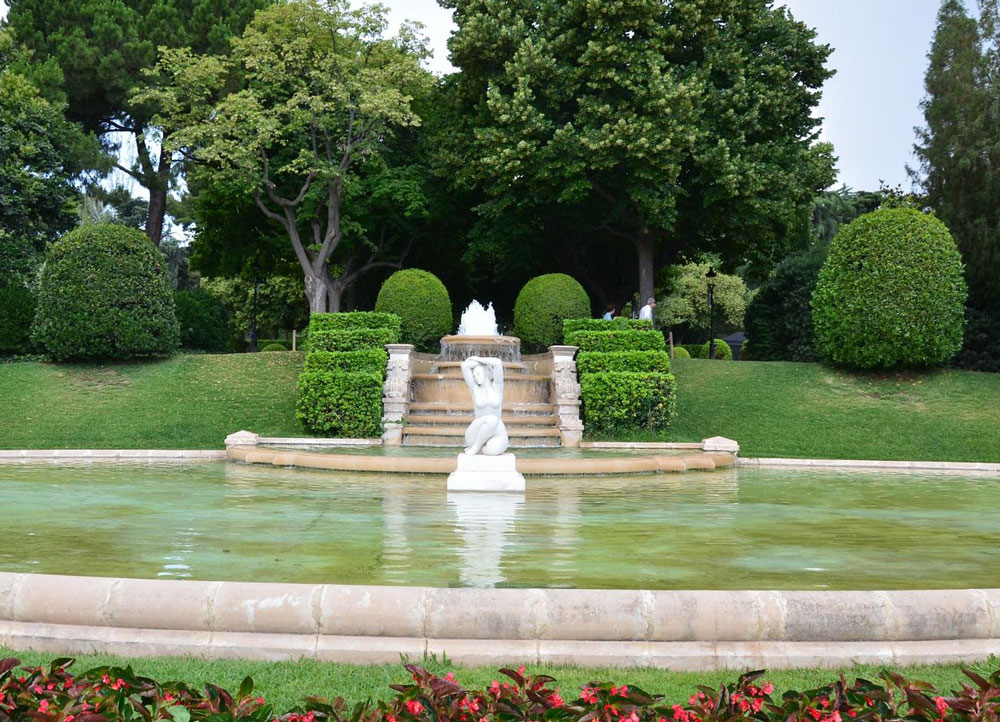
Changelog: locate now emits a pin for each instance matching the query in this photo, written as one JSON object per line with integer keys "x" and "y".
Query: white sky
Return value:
{"x": 870, "y": 106}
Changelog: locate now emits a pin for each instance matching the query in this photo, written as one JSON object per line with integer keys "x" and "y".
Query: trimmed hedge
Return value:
{"x": 589, "y": 362}
{"x": 681, "y": 352}
{"x": 543, "y": 304}
{"x": 275, "y": 347}
{"x": 105, "y": 294}
{"x": 422, "y": 304}
{"x": 610, "y": 341}
{"x": 17, "y": 310}
{"x": 891, "y": 293}
{"x": 340, "y": 404}
{"x": 369, "y": 360}
{"x": 203, "y": 320}
{"x": 355, "y": 319}
{"x": 624, "y": 401}
{"x": 352, "y": 339}
{"x": 571, "y": 325}
{"x": 723, "y": 352}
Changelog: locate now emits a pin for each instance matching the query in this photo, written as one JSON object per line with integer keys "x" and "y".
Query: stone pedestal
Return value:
{"x": 485, "y": 473}
{"x": 396, "y": 392}
{"x": 566, "y": 394}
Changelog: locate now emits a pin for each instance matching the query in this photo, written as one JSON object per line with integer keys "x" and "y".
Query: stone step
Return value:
{"x": 463, "y": 420}
{"x": 454, "y": 367}
{"x": 457, "y": 375}
{"x": 457, "y": 442}
{"x": 459, "y": 431}
{"x": 464, "y": 408}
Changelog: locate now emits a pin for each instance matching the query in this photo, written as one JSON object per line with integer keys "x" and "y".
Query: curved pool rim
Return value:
{"x": 681, "y": 630}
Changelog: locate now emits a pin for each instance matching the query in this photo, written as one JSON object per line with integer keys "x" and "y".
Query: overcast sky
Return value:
{"x": 869, "y": 107}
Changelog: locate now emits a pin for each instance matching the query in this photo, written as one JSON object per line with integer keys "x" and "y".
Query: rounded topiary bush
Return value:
{"x": 681, "y": 352}
{"x": 203, "y": 320}
{"x": 891, "y": 292}
{"x": 723, "y": 352}
{"x": 104, "y": 294}
{"x": 274, "y": 347}
{"x": 17, "y": 309}
{"x": 422, "y": 303}
{"x": 543, "y": 304}
{"x": 779, "y": 317}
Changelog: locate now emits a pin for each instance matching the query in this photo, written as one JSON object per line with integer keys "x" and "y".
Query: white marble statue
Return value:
{"x": 486, "y": 434}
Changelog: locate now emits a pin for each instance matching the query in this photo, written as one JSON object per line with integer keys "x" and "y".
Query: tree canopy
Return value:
{"x": 670, "y": 127}
{"x": 103, "y": 48}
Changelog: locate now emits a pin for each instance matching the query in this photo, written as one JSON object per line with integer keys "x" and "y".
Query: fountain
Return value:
{"x": 478, "y": 336}
{"x": 478, "y": 321}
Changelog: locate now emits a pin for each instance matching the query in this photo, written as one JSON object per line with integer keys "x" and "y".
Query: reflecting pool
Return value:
{"x": 734, "y": 529}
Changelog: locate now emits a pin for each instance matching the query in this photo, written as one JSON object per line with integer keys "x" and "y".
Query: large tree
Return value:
{"x": 103, "y": 48}
{"x": 959, "y": 148}
{"x": 41, "y": 156}
{"x": 294, "y": 115}
{"x": 669, "y": 127}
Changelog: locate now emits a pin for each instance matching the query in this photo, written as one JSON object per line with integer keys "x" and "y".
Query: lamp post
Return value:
{"x": 253, "y": 309}
{"x": 710, "y": 277}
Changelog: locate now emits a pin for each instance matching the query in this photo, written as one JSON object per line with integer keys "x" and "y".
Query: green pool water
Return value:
{"x": 736, "y": 529}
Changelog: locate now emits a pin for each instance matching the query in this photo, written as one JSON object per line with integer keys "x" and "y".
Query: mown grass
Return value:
{"x": 810, "y": 410}
{"x": 185, "y": 402}
{"x": 284, "y": 684}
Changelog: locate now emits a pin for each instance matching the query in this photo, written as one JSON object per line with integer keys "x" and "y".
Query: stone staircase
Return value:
{"x": 440, "y": 407}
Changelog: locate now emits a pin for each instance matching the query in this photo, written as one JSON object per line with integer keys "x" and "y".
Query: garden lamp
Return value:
{"x": 253, "y": 309}
{"x": 710, "y": 278}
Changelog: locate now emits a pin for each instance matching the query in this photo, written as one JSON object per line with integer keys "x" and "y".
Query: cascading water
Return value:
{"x": 478, "y": 321}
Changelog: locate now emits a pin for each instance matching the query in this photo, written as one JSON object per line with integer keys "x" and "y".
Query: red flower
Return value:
{"x": 767, "y": 688}
{"x": 814, "y": 713}
{"x": 414, "y": 707}
{"x": 495, "y": 688}
{"x": 942, "y": 706}
{"x": 589, "y": 695}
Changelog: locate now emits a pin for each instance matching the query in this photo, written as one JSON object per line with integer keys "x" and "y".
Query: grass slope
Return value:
{"x": 284, "y": 684}
{"x": 809, "y": 410}
{"x": 185, "y": 402}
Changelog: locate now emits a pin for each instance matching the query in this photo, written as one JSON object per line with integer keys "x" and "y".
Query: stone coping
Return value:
{"x": 367, "y": 624}
{"x": 948, "y": 466}
{"x": 21, "y": 455}
{"x": 536, "y": 466}
{"x": 640, "y": 445}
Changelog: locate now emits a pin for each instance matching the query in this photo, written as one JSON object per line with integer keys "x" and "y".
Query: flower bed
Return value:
{"x": 53, "y": 694}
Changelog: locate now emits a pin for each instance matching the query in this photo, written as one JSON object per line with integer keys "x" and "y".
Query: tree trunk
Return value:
{"x": 644, "y": 249}
{"x": 316, "y": 293}
{"x": 334, "y": 294}
{"x": 158, "y": 186}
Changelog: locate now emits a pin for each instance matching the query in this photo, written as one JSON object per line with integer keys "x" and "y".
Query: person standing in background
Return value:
{"x": 609, "y": 312}
{"x": 646, "y": 312}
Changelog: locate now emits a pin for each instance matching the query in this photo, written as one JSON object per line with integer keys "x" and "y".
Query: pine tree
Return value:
{"x": 959, "y": 148}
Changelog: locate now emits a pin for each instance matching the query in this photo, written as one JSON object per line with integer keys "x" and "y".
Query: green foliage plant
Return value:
{"x": 368, "y": 360}
{"x": 681, "y": 352}
{"x": 421, "y": 303}
{"x": 779, "y": 317}
{"x": 608, "y": 341}
{"x": 620, "y": 323}
{"x": 203, "y": 321}
{"x": 350, "y": 339}
{"x": 891, "y": 293}
{"x": 723, "y": 352}
{"x": 543, "y": 304}
{"x": 343, "y": 404}
{"x": 615, "y": 402}
{"x": 355, "y": 319}
{"x": 281, "y": 305}
{"x": 17, "y": 310}
{"x": 682, "y": 298}
{"x": 104, "y": 294}
{"x": 590, "y": 362}
{"x": 273, "y": 347}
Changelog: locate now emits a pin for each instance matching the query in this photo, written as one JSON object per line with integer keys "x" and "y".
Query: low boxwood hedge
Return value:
{"x": 723, "y": 352}
{"x": 571, "y": 325}
{"x": 354, "y": 319}
{"x": 368, "y": 360}
{"x": 625, "y": 401}
{"x": 681, "y": 352}
{"x": 351, "y": 339}
{"x": 590, "y": 362}
{"x": 611, "y": 341}
{"x": 343, "y": 404}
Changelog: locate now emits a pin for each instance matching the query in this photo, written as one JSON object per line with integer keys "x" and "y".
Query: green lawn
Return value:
{"x": 809, "y": 410}
{"x": 772, "y": 409}
{"x": 285, "y": 683}
{"x": 185, "y": 402}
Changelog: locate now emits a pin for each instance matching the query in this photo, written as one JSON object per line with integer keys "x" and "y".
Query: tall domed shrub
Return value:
{"x": 422, "y": 303}
{"x": 543, "y": 304}
{"x": 891, "y": 292}
{"x": 104, "y": 294}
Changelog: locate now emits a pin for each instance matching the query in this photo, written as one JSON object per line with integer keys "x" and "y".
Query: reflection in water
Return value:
{"x": 485, "y": 520}
{"x": 396, "y": 552}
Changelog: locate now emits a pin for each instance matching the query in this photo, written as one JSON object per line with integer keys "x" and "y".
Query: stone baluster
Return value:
{"x": 566, "y": 394}
{"x": 396, "y": 392}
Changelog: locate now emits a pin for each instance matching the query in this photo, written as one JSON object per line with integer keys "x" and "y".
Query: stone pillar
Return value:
{"x": 396, "y": 392}
{"x": 566, "y": 394}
